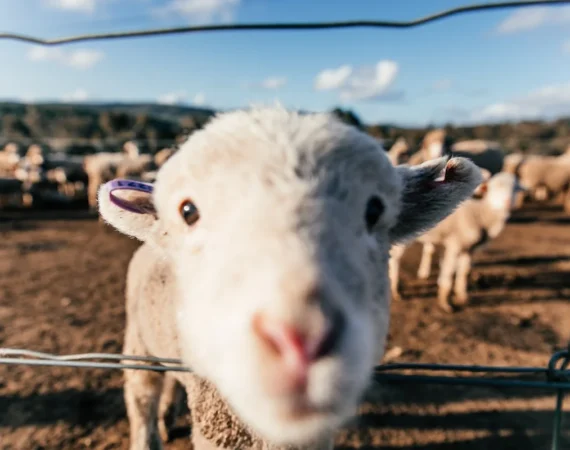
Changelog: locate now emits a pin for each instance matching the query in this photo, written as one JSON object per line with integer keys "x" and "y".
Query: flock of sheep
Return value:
{"x": 271, "y": 243}
{"x": 509, "y": 180}
{"x": 36, "y": 177}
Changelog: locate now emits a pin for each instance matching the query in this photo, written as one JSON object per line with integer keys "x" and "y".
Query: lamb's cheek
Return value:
{"x": 379, "y": 314}
{"x": 360, "y": 353}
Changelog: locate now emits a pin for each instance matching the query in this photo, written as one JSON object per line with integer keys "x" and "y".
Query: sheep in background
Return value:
{"x": 34, "y": 156}
{"x": 264, "y": 268}
{"x": 512, "y": 162}
{"x": 432, "y": 146}
{"x": 547, "y": 176}
{"x": 68, "y": 172}
{"x": 144, "y": 167}
{"x": 485, "y": 154}
{"x": 472, "y": 225}
{"x": 428, "y": 248}
{"x": 511, "y": 165}
{"x": 159, "y": 159}
{"x": 135, "y": 167}
{"x": 36, "y": 180}
{"x": 399, "y": 151}
{"x": 9, "y": 159}
{"x": 29, "y": 172}
{"x": 101, "y": 167}
{"x": 162, "y": 156}
{"x": 30, "y": 168}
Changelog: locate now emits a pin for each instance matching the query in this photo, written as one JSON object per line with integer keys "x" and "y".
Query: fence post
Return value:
{"x": 557, "y": 428}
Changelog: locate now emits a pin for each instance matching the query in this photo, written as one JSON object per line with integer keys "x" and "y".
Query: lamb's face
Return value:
{"x": 279, "y": 227}
{"x": 281, "y": 248}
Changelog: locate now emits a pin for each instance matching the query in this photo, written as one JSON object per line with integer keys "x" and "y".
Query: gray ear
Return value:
{"x": 431, "y": 192}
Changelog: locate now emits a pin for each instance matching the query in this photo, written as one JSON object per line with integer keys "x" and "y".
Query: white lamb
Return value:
{"x": 473, "y": 224}
{"x": 144, "y": 167}
{"x": 101, "y": 167}
{"x": 9, "y": 160}
{"x": 486, "y": 154}
{"x": 264, "y": 267}
{"x": 547, "y": 176}
{"x": 511, "y": 164}
{"x": 399, "y": 151}
{"x": 432, "y": 146}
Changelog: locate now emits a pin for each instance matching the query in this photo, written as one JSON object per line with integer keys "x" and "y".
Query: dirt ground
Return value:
{"x": 61, "y": 291}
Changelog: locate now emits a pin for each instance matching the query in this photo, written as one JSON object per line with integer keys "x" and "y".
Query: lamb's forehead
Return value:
{"x": 281, "y": 143}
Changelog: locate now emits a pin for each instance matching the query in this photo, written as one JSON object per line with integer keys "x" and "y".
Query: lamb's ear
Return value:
{"x": 127, "y": 206}
{"x": 481, "y": 190}
{"x": 431, "y": 192}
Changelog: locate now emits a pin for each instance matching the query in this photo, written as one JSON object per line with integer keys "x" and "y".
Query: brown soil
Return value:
{"x": 61, "y": 291}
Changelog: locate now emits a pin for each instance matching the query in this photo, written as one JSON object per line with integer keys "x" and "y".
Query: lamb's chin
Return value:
{"x": 283, "y": 424}
{"x": 297, "y": 431}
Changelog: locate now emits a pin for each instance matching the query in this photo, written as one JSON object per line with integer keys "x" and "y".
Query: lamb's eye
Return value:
{"x": 374, "y": 210}
{"x": 189, "y": 212}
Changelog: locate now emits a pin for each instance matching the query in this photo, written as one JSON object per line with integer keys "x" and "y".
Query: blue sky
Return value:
{"x": 486, "y": 66}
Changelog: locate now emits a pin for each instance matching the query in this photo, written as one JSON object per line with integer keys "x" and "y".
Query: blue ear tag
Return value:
{"x": 128, "y": 185}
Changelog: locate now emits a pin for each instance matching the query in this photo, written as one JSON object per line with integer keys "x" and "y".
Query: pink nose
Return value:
{"x": 294, "y": 349}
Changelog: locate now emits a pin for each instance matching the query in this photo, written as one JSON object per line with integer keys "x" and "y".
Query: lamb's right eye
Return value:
{"x": 189, "y": 212}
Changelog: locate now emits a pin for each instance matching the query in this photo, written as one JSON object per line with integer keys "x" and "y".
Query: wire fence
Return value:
{"x": 555, "y": 377}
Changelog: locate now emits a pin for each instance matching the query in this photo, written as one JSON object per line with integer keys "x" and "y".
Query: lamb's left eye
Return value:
{"x": 374, "y": 210}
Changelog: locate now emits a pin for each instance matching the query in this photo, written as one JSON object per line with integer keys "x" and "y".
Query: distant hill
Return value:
{"x": 87, "y": 128}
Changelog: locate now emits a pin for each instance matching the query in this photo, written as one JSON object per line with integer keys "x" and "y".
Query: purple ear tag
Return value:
{"x": 129, "y": 185}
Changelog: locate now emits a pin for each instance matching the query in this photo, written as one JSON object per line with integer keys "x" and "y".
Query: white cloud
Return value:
{"x": 199, "y": 99}
{"x": 202, "y": 10}
{"x": 332, "y": 78}
{"x": 370, "y": 82}
{"x": 172, "y": 98}
{"x": 274, "y": 82}
{"x": 87, "y": 6}
{"x": 78, "y": 59}
{"x": 84, "y": 59}
{"x": 45, "y": 54}
{"x": 270, "y": 83}
{"x": 363, "y": 83}
{"x": 180, "y": 97}
{"x": 79, "y": 95}
{"x": 532, "y": 18}
{"x": 546, "y": 102}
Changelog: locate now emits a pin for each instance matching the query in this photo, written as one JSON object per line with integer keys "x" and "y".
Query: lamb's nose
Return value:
{"x": 297, "y": 350}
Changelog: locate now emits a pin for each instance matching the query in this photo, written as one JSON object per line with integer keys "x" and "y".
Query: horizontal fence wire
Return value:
{"x": 550, "y": 377}
{"x": 283, "y": 26}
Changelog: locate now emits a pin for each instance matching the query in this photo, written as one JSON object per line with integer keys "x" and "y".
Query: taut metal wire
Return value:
{"x": 282, "y": 26}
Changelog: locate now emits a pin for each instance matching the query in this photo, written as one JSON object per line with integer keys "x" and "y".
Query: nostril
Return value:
{"x": 331, "y": 339}
{"x": 295, "y": 347}
{"x": 278, "y": 336}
